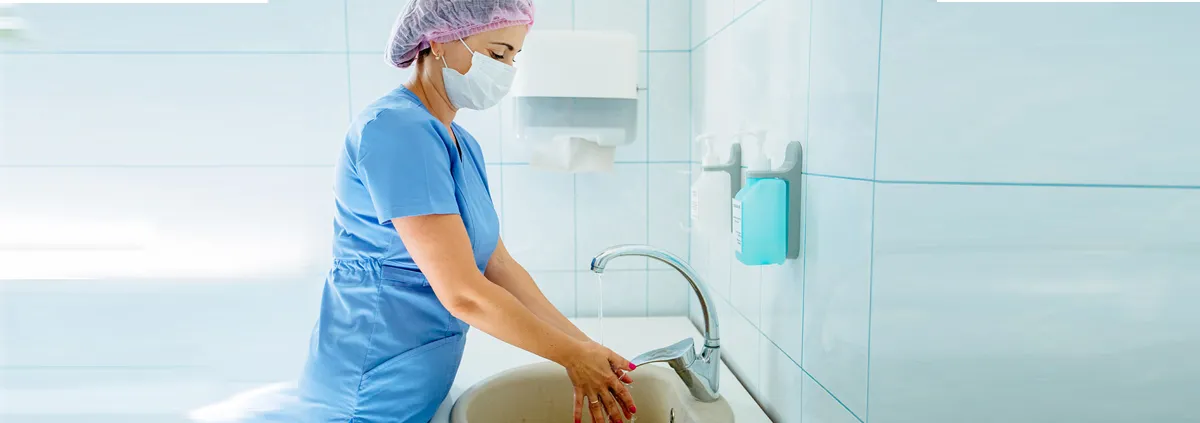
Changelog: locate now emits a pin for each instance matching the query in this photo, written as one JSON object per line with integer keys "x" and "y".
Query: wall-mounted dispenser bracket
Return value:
{"x": 792, "y": 172}
{"x": 733, "y": 168}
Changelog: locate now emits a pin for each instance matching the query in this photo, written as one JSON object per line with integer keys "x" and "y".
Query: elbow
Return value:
{"x": 462, "y": 305}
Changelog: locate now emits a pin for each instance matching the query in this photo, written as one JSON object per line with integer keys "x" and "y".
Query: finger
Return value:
{"x": 595, "y": 408}
{"x": 579, "y": 399}
{"x": 610, "y": 404}
{"x": 626, "y": 378}
{"x": 621, "y": 393}
{"x": 620, "y": 364}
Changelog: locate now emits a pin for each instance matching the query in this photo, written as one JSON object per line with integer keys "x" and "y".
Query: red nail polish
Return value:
{"x": 632, "y": 366}
{"x": 632, "y": 409}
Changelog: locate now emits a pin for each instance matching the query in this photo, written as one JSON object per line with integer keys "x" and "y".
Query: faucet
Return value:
{"x": 700, "y": 371}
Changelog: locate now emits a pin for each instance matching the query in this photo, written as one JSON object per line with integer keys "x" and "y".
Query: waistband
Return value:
{"x": 382, "y": 270}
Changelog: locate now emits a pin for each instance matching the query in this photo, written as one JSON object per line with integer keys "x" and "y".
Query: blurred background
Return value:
{"x": 1001, "y": 204}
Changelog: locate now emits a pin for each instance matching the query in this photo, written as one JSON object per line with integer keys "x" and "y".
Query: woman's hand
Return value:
{"x": 599, "y": 378}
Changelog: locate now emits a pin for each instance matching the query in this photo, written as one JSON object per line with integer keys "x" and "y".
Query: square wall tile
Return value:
{"x": 173, "y": 110}
{"x": 783, "y": 305}
{"x": 739, "y": 344}
{"x": 667, "y": 293}
{"x": 669, "y": 119}
{"x": 623, "y": 293}
{"x": 614, "y": 15}
{"x": 539, "y": 218}
{"x": 670, "y": 22}
{"x": 784, "y": 96}
{"x": 161, "y": 222}
{"x": 781, "y": 383}
{"x": 611, "y": 210}
{"x": 288, "y": 26}
{"x": 371, "y": 78}
{"x": 669, "y": 210}
{"x": 559, "y": 288}
{"x": 709, "y": 16}
{"x": 818, "y": 405}
{"x": 555, "y": 15}
{"x": 1078, "y": 300}
{"x": 837, "y": 286}
{"x": 745, "y": 290}
{"x": 1011, "y": 93}
{"x": 843, "y": 91}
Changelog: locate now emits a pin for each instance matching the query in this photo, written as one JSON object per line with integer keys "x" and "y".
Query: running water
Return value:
{"x": 600, "y": 306}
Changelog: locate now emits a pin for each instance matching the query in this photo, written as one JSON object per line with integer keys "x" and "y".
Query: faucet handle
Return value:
{"x": 684, "y": 349}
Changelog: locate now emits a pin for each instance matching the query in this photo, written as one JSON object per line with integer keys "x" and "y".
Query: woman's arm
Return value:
{"x": 503, "y": 270}
{"x": 441, "y": 248}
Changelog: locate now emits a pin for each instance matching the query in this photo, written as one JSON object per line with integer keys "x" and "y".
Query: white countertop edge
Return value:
{"x": 629, "y": 336}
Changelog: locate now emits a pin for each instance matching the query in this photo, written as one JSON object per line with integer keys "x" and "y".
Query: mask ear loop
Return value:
{"x": 464, "y": 43}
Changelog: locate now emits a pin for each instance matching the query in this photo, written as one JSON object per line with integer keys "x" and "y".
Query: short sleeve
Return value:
{"x": 405, "y": 167}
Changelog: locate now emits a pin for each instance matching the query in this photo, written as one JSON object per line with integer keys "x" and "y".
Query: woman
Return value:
{"x": 417, "y": 252}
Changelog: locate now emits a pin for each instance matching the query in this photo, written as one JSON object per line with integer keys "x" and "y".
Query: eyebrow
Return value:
{"x": 510, "y": 46}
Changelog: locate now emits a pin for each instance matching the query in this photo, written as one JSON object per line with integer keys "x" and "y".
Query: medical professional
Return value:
{"x": 417, "y": 252}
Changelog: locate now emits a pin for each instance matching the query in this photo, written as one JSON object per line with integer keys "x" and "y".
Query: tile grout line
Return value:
{"x": 648, "y": 123}
{"x": 806, "y": 187}
{"x": 575, "y": 217}
{"x": 349, "y": 77}
{"x": 726, "y": 26}
{"x": 691, "y": 129}
{"x": 794, "y": 362}
{"x": 871, "y": 247}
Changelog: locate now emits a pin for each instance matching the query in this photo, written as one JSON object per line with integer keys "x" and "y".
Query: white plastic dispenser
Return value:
{"x": 574, "y": 106}
{"x": 710, "y": 191}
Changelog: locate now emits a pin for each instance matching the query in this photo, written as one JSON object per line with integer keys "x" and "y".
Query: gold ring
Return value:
{"x": 595, "y": 401}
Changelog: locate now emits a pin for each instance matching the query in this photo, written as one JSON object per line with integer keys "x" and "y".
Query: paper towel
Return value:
{"x": 572, "y": 154}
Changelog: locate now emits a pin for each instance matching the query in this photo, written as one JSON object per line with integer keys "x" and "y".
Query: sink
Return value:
{"x": 542, "y": 393}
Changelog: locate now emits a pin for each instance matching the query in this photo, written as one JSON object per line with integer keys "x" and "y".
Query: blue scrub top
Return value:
{"x": 400, "y": 161}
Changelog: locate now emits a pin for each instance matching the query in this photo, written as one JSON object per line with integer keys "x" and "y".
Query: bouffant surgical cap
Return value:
{"x": 425, "y": 21}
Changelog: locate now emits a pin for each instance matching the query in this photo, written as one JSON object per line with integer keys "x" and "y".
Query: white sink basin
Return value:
{"x": 542, "y": 393}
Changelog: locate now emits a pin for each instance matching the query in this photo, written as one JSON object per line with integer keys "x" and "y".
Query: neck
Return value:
{"x": 432, "y": 97}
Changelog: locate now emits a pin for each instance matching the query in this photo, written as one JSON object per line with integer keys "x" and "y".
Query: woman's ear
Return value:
{"x": 436, "y": 50}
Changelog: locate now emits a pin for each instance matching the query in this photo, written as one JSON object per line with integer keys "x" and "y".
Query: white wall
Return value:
{"x": 1000, "y": 202}
{"x": 179, "y": 159}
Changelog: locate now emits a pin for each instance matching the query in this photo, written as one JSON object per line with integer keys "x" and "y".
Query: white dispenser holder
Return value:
{"x": 573, "y": 105}
{"x": 792, "y": 172}
{"x": 732, "y": 167}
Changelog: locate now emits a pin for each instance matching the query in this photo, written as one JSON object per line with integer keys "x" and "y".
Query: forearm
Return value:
{"x": 510, "y": 275}
{"x": 532, "y": 297}
{"x": 498, "y": 313}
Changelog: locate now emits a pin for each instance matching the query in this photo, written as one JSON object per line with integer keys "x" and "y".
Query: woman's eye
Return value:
{"x": 497, "y": 56}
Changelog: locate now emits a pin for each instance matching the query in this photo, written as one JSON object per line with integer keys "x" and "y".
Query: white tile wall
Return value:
{"x": 1071, "y": 301}
{"x": 1042, "y": 100}
{"x": 909, "y": 297}
{"x": 213, "y": 130}
{"x": 291, "y": 26}
{"x": 843, "y": 89}
{"x": 189, "y": 109}
{"x": 837, "y": 286}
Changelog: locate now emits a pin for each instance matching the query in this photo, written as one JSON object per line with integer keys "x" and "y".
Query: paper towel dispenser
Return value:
{"x": 575, "y": 97}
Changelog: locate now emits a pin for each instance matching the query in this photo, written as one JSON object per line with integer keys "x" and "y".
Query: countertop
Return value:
{"x": 629, "y": 336}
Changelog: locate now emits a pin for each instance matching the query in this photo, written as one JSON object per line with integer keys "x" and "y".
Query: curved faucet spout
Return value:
{"x": 712, "y": 336}
{"x": 700, "y": 372}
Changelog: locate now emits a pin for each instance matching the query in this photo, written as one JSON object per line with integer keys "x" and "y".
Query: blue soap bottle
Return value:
{"x": 760, "y": 212}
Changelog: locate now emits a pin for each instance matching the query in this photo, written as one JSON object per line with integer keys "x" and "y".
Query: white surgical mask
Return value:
{"x": 484, "y": 85}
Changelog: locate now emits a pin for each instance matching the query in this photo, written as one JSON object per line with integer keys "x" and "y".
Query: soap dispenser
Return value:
{"x": 711, "y": 190}
{"x": 760, "y": 211}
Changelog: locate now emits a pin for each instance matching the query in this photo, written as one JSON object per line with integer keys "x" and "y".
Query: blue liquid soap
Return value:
{"x": 760, "y": 213}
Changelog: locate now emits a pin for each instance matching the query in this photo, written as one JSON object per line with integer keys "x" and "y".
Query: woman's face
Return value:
{"x": 501, "y": 45}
